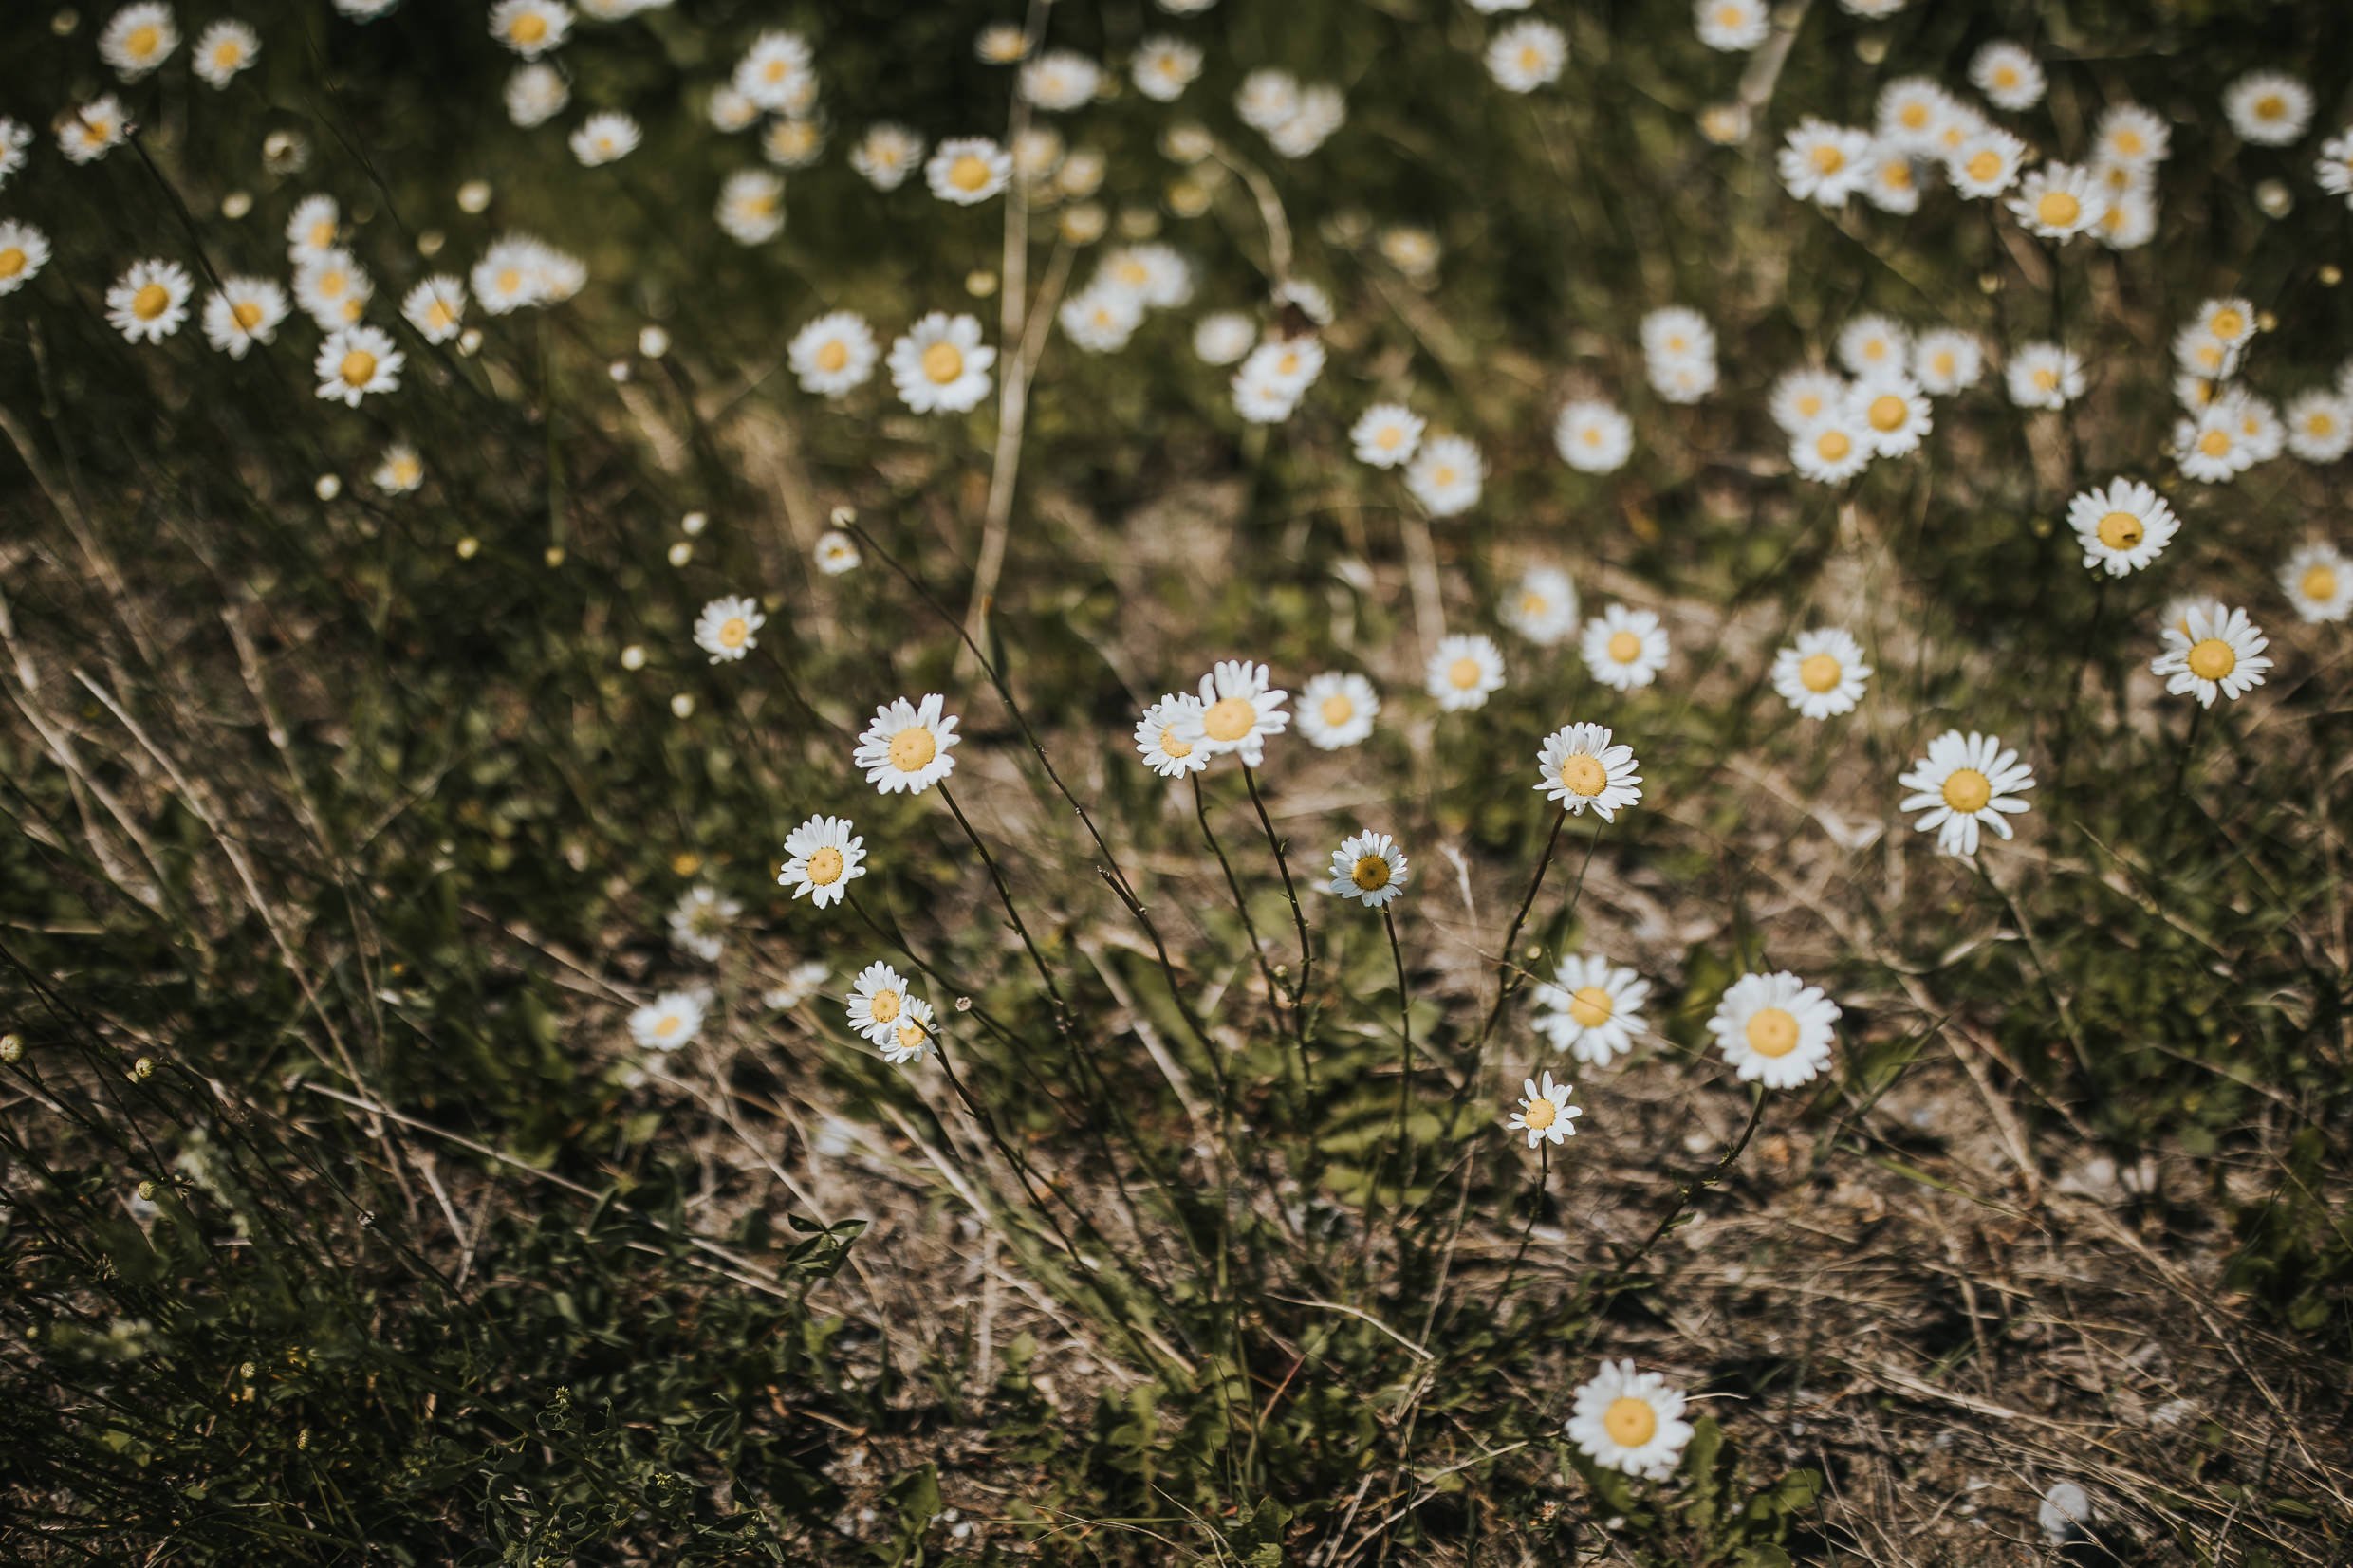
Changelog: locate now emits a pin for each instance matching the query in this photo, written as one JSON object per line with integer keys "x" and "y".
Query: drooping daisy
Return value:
{"x": 751, "y": 209}
{"x": 332, "y": 289}
{"x": 1630, "y": 1421}
{"x": 2216, "y": 657}
{"x": 23, "y": 250}
{"x": 1583, "y": 770}
{"x": 223, "y": 49}
{"x": 1872, "y": 348}
{"x": 668, "y": 1021}
{"x": 1223, "y": 337}
{"x": 1059, "y": 80}
{"x": 1734, "y": 26}
{"x": 940, "y": 365}
{"x": 1527, "y": 55}
{"x": 355, "y": 361}
{"x": 436, "y": 307}
{"x": 908, "y": 746}
{"x": 835, "y": 553}
{"x": 968, "y": 170}
{"x": 605, "y": 138}
{"x": 1964, "y": 782}
{"x": 242, "y": 312}
{"x": 1834, "y": 448}
{"x": 530, "y": 27}
{"x": 1447, "y": 476}
{"x": 1239, "y": 709}
{"x": 2059, "y": 201}
{"x": 93, "y": 130}
{"x": 1463, "y": 672}
{"x": 1161, "y": 736}
{"x": 1336, "y": 710}
{"x": 833, "y": 354}
{"x": 1101, "y": 319}
{"x": 1592, "y": 1008}
{"x": 1368, "y": 868}
{"x": 2318, "y": 579}
{"x": 914, "y": 1035}
{"x": 2267, "y": 108}
{"x": 1543, "y": 608}
{"x": 138, "y": 38}
{"x": 1164, "y": 68}
{"x": 726, "y": 627}
{"x": 400, "y": 470}
{"x": 1801, "y": 397}
{"x": 1774, "y": 1029}
{"x": 1545, "y": 1113}
{"x": 2043, "y": 376}
{"x": 1387, "y": 435}
{"x": 1892, "y": 413}
{"x": 1593, "y": 437}
{"x": 776, "y": 73}
{"x": 822, "y": 858}
{"x": 1824, "y": 163}
{"x": 535, "y": 93}
{"x": 1625, "y": 649}
{"x": 1945, "y": 361}
{"x": 2122, "y": 525}
{"x": 699, "y": 921}
{"x": 149, "y": 300}
{"x": 886, "y": 154}
{"x": 2131, "y": 137}
{"x": 1985, "y": 163}
{"x": 2008, "y": 75}
{"x": 1822, "y": 673}
{"x": 2320, "y": 425}
{"x": 877, "y": 998}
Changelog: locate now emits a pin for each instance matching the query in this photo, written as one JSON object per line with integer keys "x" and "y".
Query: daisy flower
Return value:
{"x": 725, "y": 628}
{"x": 1822, "y": 673}
{"x": 835, "y": 553}
{"x": 15, "y": 137}
{"x": 833, "y": 354}
{"x": 775, "y": 74}
{"x": 535, "y": 94}
{"x": 793, "y": 143}
{"x": 138, "y": 39}
{"x": 2043, "y": 376}
{"x": 1625, "y": 649}
{"x": 751, "y": 210}
{"x": 2267, "y": 108}
{"x": 1985, "y": 163}
{"x": 313, "y": 227}
{"x": 2209, "y": 447}
{"x": 223, "y": 49}
{"x": 886, "y": 154}
{"x": 1154, "y": 273}
{"x": 530, "y": 27}
{"x": 940, "y": 365}
{"x": 1732, "y": 26}
{"x": 1238, "y": 711}
{"x": 729, "y": 111}
{"x": 822, "y": 858}
{"x": 2008, "y": 75}
{"x": 1464, "y": 673}
{"x": 2216, "y": 656}
{"x": 698, "y": 923}
{"x": 1543, "y": 608}
{"x": 1872, "y": 346}
{"x": 1322, "y": 111}
{"x": 2131, "y": 137}
{"x": 1161, "y": 736}
{"x": 1774, "y": 1029}
{"x": 1385, "y": 435}
{"x": 968, "y": 170}
{"x": 1911, "y": 111}
{"x": 1593, "y": 437}
{"x": 1833, "y": 448}
{"x": 1804, "y": 396}
{"x": 93, "y": 130}
{"x": 436, "y": 307}
{"x": 1824, "y": 163}
{"x": 2320, "y": 425}
{"x": 1164, "y": 68}
{"x": 2258, "y": 422}
{"x": 605, "y": 138}
{"x": 1447, "y": 476}
{"x": 1892, "y": 183}
{"x": 1964, "y": 782}
{"x": 242, "y": 312}
{"x": 2231, "y": 321}
{"x": 800, "y": 983}
{"x": 149, "y": 300}
{"x": 1000, "y": 43}
{"x": 2128, "y": 221}
{"x": 1059, "y": 80}
{"x": 2058, "y": 201}
{"x": 907, "y": 748}
{"x": 1545, "y": 1113}
{"x": 2334, "y": 171}
{"x": 1630, "y": 1422}
{"x": 1101, "y": 319}
{"x": 876, "y": 997}
{"x": 355, "y": 361}
{"x": 23, "y": 250}
{"x": 1677, "y": 333}
{"x": 2122, "y": 525}
{"x": 1267, "y": 386}
{"x": 332, "y": 289}
{"x": 1527, "y": 55}
{"x": 1892, "y": 413}
{"x": 912, "y": 1037}
{"x": 2318, "y": 581}
{"x": 400, "y": 470}
{"x": 668, "y": 1021}
{"x": 2200, "y": 353}
{"x": 1223, "y": 337}
{"x": 1592, "y": 1008}
{"x": 1368, "y": 868}
{"x": 1336, "y": 710}
{"x": 1580, "y": 767}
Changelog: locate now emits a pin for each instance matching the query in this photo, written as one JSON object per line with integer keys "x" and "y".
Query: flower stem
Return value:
{"x": 1610, "y": 1277}
{"x": 1299, "y": 919}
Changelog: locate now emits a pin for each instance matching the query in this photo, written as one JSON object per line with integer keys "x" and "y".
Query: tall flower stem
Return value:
{"x": 1004, "y": 897}
{"x": 1504, "y": 965}
{"x": 1249, "y": 927}
{"x": 1544, "y": 1176}
{"x": 1299, "y": 917}
{"x": 1396, "y": 1144}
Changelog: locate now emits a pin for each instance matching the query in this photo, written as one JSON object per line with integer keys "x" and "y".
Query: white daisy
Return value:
{"x": 1872, "y": 348}
{"x": 1675, "y": 334}
{"x": 400, "y": 471}
{"x": 2230, "y": 321}
{"x": 1774, "y": 1029}
{"x": 223, "y": 49}
{"x": 2215, "y": 657}
{"x": 668, "y": 1021}
{"x": 1625, "y": 649}
{"x": 1945, "y": 361}
{"x": 2043, "y": 376}
{"x": 1238, "y": 711}
{"x": 535, "y": 93}
{"x": 1527, "y": 55}
{"x": 355, "y": 361}
{"x": 1892, "y": 182}
{"x": 968, "y": 170}
{"x": 876, "y": 997}
{"x": 726, "y": 627}
{"x": 15, "y": 138}
{"x": 1824, "y": 163}
{"x": 1161, "y": 736}
{"x": 2199, "y": 353}
{"x": 332, "y": 289}
{"x": 1322, "y": 111}
{"x": 886, "y": 154}
{"x": 1822, "y": 673}
{"x": 93, "y": 130}
{"x": 1965, "y": 782}
{"x": 242, "y": 312}
{"x": 1834, "y": 448}
{"x": 1000, "y": 43}
{"x": 2318, "y": 579}
{"x": 1059, "y": 80}
{"x": 2267, "y": 108}
{"x": 1592, "y": 1008}
{"x": 1101, "y": 319}
{"x": 1911, "y": 112}
{"x": 437, "y": 308}
{"x": 776, "y": 74}
{"x": 750, "y": 208}
{"x": 822, "y": 858}
{"x": 940, "y": 365}
{"x": 835, "y": 553}
{"x": 1336, "y": 710}
{"x": 1368, "y": 868}
{"x": 800, "y": 983}
{"x": 907, "y": 748}
{"x": 2334, "y": 171}
{"x": 2131, "y": 137}
{"x": 1802, "y": 398}
{"x": 1593, "y": 437}
{"x": 530, "y": 27}
{"x": 1985, "y": 163}
{"x": 1223, "y": 337}
{"x": 313, "y": 229}
{"x": 1164, "y": 68}
{"x": 1463, "y": 672}
{"x": 1630, "y": 1422}
{"x": 1387, "y": 435}
{"x": 1543, "y": 608}
{"x": 833, "y": 354}
{"x": 1545, "y": 1113}
{"x": 1892, "y": 413}
{"x": 137, "y": 38}
{"x": 2122, "y": 527}
{"x": 2320, "y": 425}
{"x": 2210, "y": 448}
{"x": 1156, "y": 275}
{"x": 1447, "y": 476}
{"x": 1732, "y": 26}
{"x": 2008, "y": 75}
{"x": 23, "y": 250}
{"x": 605, "y": 138}
{"x": 914, "y": 1035}
{"x": 1583, "y": 770}
{"x": 149, "y": 300}
{"x": 698, "y": 922}
{"x": 2129, "y": 219}
{"x": 2059, "y": 201}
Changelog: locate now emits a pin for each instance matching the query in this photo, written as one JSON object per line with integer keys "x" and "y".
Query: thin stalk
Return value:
{"x": 1299, "y": 917}
{"x": 1544, "y": 1176}
{"x": 1249, "y": 927}
{"x": 1504, "y": 966}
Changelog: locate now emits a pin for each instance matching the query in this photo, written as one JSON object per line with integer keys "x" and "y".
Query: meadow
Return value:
{"x": 1099, "y": 781}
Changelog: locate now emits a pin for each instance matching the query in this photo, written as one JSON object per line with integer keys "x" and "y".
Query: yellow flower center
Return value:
{"x": 2058, "y": 209}
{"x": 357, "y": 369}
{"x": 1833, "y": 444}
{"x": 1829, "y": 158}
{"x": 1590, "y": 1008}
{"x": 970, "y": 172}
{"x": 439, "y": 317}
{"x": 825, "y": 867}
{"x": 1533, "y": 604}
{"x": 1896, "y": 173}
{"x": 142, "y": 41}
{"x": 2318, "y": 423}
{"x": 1463, "y": 674}
{"x": 884, "y": 1008}
{"x": 1773, "y": 1031}
{"x": 2047, "y": 380}
{"x": 1914, "y": 116}
{"x": 2120, "y": 530}
{"x": 833, "y": 356}
{"x": 1443, "y": 475}
{"x": 510, "y": 280}
{"x": 671, "y": 1024}
{"x": 1630, "y": 1422}
{"x": 734, "y": 632}
{"x": 2211, "y": 659}
{"x": 11, "y": 262}
{"x": 1371, "y": 872}
{"x": 1229, "y": 719}
{"x": 2228, "y": 323}
{"x": 1968, "y": 790}
{"x": 912, "y": 750}
{"x": 1171, "y": 745}
{"x": 2006, "y": 76}
{"x": 912, "y": 1036}
{"x": 1389, "y": 438}
{"x": 2270, "y": 107}
{"x": 1583, "y": 775}
{"x": 942, "y": 363}
{"x": 2129, "y": 143}
{"x": 2320, "y": 582}
{"x": 247, "y": 313}
{"x": 1530, "y": 58}
{"x": 227, "y": 53}
{"x": 1942, "y": 364}
{"x": 528, "y": 28}
{"x": 2214, "y": 443}
{"x": 1818, "y": 672}
{"x": 1339, "y": 709}
{"x": 1889, "y": 412}
{"x": 1541, "y": 1114}
{"x": 1983, "y": 166}
{"x": 1808, "y": 404}
{"x": 1624, "y": 647}
{"x": 150, "y": 301}
{"x": 331, "y": 284}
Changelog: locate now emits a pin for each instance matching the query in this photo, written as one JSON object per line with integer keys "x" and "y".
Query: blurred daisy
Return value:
{"x": 2176, "y": 613}
{"x": 2058, "y": 201}
{"x": 223, "y": 49}
{"x": 1592, "y": 1008}
{"x": 1267, "y": 386}
{"x": 1336, "y": 710}
{"x": 93, "y": 130}
{"x": 774, "y": 73}
{"x": 1154, "y": 273}
{"x": 1000, "y": 43}
{"x": 1822, "y": 673}
{"x": 1580, "y": 767}
{"x": 1593, "y": 437}
{"x": 2334, "y": 171}
{"x": 437, "y": 308}
{"x": 149, "y": 300}
{"x": 1677, "y": 333}
{"x": 2318, "y": 581}
{"x": 1774, "y": 1029}
{"x": 1223, "y": 337}
{"x": 1161, "y": 736}
{"x": 400, "y": 470}
{"x": 242, "y": 312}
{"x": 535, "y": 94}
{"x": 530, "y": 27}
{"x": 1464, "y": 673}
{"x": 2008, "y": 75}
{"x": 751, "y": 210}
{"x": 912, "y": 1037}
{"x": 876, "y": 997}
{"x": 1059, "y": 80}
{"x": 137, "y": 39}
{"x": 886, "y": 154}
{"x": 800, "y": 983}
{"x": 332, "y": 289}
{"x": 1804, "y": 396}
{"x": 1447, "y": 476}
{"x": 1545, "y": 1113}
{"x": 835, "y": 553}
{"x": 2128, "y": 221}
{"x": 2199, "y": 351}
{"x": 2216, "y": 657}
{"x": 1543, "y": 608}
{"x": 1164, "y": 68}
{"x": 793, "y": 143}
{"x": 726, "y": 627}
{"x": 2258, "y": 422}
{"x": 1412, "y": 251}
{"x": 822, "y": 858}
{"x": 1238, "y": 711}
{"x": 966, "y": 170}
{"x": 907, "y": 748}
{"x": 668, "y": 1021}
{"x": 940, "y": 365}
{"x": 2267, "y": 108}
{"x": 2043, "y": 376}
{"x": 2122, "y": 525}
{"x": 1964, "y": 782}
{"x": 605, "y": 138}
{"x": 1732, "y": 26}
{"x": 1985, "y": 163}
{"x": 1630, "y": 1422}
{"x": 1824, "y": 163}
{"x": 2320, "y": 425}
{"x": 698, "y": 923}
{"x": 355, "y": 361}
{"x": 1527, "y": 55}
{"x": 23, "y": 250}
{"x": 2231, "y": 321}
{"x": 1911, "y": 111}
{"x": 1368, "y": 868}
{"x": 1387, "y": 435}
{"x": 2211, "y": 447}
{"x": 1101, "y": 319}
{"x": 1892, "y": 183}
{"x": 2131, "y": 137}
{"x": 1322, "y": 111}
{"x": 833, "y": 354}
{"x": 729, "y": 111}
{"x": 15, "y": 137}
{"x": 1892, "y": 413}
{"x": 1625, "y": 649}
{"x": 1833, "y": 448}
{"x": 313, "y": 227}
{"x": 1871, "y": 346}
